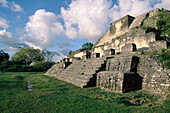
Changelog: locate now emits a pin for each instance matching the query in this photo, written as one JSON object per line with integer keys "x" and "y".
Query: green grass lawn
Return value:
{"x": 54, "y": 96}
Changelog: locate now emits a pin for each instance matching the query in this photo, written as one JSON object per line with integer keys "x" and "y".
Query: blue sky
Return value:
{"x": 63, "y": 25}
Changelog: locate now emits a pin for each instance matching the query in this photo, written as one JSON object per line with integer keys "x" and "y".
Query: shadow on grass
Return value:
{"x": 12, "y": 84}
{"x": 127, "y": 103}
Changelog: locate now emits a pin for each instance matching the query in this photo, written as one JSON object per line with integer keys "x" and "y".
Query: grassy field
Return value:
{"x": 54, "y": 96}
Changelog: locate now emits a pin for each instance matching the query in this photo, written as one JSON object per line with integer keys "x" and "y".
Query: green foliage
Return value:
{"x": 118, "y": 37}
{"x": 160, "y": 24}
{"x": 17, "y": 68}
{"x": 87, "y": 45}
{"x": 163, "y": 23}
{"x": 42, "y": 66}
{"x": 48, "y": 55}
{"x": 70, "y": 52}
{"x": 137, "y": 27}
{"x": 145, "y": 27}
{"x": 163, "y": 57}
{"x": 27, "y": 55}
{"x": 167, "y": 64}
{"x": 3, "y": 56}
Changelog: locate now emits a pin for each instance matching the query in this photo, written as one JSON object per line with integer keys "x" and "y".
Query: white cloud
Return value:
{"x": 12, "y": 5}
{"x": 63, "y": 44}
{"x": 136, "y": 7}
{"x": 57, "y": 58}
{"x": 3, "y": 23}
{"x": 15, "y": 7}
{"x": 64, "y": 51}
{"x": 88, "y": 19}
{"x": 4, "y": 3}
{"x": 131, "y": 7}
{"x": 7, "y": 39}
{"x": 163, "y": 4}
{"x": 42, "y": 29}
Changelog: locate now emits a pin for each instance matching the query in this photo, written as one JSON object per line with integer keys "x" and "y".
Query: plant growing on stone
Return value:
{"x": 160, "y": 24}
{"x": 87, "y": 45}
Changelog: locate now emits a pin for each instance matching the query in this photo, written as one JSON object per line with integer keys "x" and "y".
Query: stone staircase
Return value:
{"x": 82, "y": 73}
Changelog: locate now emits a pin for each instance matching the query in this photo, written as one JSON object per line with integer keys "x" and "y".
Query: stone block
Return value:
{"x": 121, "y": 24}
{"x": 119, "y": 82}
{"x": 109, "y": 52}
{"x": 122, "y": 64}
{"x": 138, "y": 20}
{"x": 129, "y": 48}
{"x": 86, "y": 57}
{"x": 95, "y": 55}
{"x": 158, "y": 45}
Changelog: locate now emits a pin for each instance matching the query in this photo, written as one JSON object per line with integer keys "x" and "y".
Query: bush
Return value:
{"x": 167, "y": 64}
{"x": 163, "y": 57}
{"x": 9, "y": 66}
{"x": 42, "y": 66}
{"x": 17, "y": 68}
{"x": 160, "y": 24}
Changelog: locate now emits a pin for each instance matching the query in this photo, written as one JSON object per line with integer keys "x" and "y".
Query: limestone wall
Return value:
{"x": 78, "y": 55}
{"x": 121, "y": 24}
{"x": 137, "y": 36}
{"x": 117, "y": 28}
{"x": 155, "y": 77}
{"x": 118, "y": 81}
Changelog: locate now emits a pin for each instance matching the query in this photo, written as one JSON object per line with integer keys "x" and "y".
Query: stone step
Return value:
{"x": 80, "y": 72}
{"x": 87, "y": 68}
{"x": 77, "y": 73}
{"x": 84, "y": 77}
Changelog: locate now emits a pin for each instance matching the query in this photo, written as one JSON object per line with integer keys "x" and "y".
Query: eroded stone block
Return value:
{"x": 129, "y": 48}
{"x": 109, "y": 52}
{"x": 122, "y": 64}
{"x": 118, "y": 81}
{"x": 95, "y": 55}
{"x": 158, "y": 45}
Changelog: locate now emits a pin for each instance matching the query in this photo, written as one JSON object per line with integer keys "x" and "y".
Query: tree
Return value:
{"x": 48, "y": 55}
{"x": 43, "y": 66}
{"x": 26, "y": 56}
{"x": 3, "y": 56}
{"x": 20, "y": 45}
{"x": 87, "y": 45}
{"x": 70, "y": 52}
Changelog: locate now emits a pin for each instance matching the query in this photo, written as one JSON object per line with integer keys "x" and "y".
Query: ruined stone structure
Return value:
{"x": 114, "y": 63}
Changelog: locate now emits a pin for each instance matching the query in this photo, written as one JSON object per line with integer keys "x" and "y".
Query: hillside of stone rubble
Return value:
{"x": 134, "y": 54}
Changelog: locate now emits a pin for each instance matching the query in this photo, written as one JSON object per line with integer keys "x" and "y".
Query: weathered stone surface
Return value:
{"x": 138, "y": 20}
{"x": 128, "y": 48}
{"x": 158, "y": 45}
{"x": 96, "y": 55}
{"x": 56, "y": 69}
{"x": 81, "y": 72}
{"x": 155, "y": 77}
{"x": 121, "y": 24}
{"x": 79, "y": 53}
{"x": 109, "y": 52}
{"x": 118, "y": 81}
{"x": 122, "y": 64}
